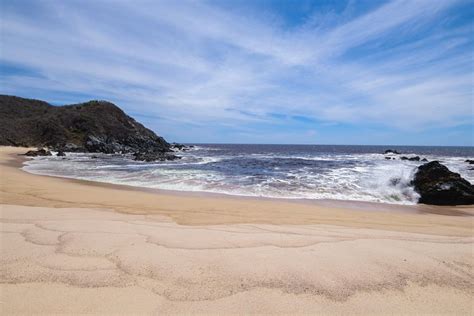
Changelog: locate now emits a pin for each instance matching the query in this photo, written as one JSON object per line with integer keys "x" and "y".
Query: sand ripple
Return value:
{"x": 203, "y": 264}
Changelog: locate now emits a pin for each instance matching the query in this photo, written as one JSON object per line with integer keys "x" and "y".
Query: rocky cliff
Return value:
{"x": 94, "y": 126}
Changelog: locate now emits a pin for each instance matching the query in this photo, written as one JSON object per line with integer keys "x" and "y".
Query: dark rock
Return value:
{"x": 180, "y": 147}
{"x": 94, "y": 126}
{"x": 404, "y": 158}
{"x": 437, "y": 185}
{"x": 61, "y": 153}
{"x": 70, "y": 148}
{"x": 470, "y": 161}
{"x": 416, "y": 158}
{"x": 424, "y": 160}
{"x": 177, "y": 146}
{"x": 95, "y": 144}
{"x": 388, "y": 158}
{"x": 39, "y": 152}
{"x": 391, "y": 151}
{"x": 154, "y": 156}
{"x": 395, "y": 181}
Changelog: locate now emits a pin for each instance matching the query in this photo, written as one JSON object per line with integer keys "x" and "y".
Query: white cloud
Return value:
{"x": 191, "y": 62}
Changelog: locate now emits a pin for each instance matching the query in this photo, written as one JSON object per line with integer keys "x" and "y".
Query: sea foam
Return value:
{"x": 293, "y": 172}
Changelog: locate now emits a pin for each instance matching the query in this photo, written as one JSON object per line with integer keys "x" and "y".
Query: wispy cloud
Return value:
{"x": 406, "y": 65}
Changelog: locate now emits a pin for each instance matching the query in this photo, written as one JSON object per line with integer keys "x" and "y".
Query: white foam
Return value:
{"x": 369, "y": 177}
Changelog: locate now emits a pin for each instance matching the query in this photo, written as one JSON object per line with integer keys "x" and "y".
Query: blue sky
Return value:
{"x": 236, "y": 71}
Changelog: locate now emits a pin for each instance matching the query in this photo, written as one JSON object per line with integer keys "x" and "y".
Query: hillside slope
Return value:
{"x": 94, "y": 126}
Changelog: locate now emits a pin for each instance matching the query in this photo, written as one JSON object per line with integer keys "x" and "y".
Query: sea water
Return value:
{"x": 360, "y": 173}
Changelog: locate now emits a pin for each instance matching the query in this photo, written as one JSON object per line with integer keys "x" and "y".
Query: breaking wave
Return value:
{"x": 295, "y": 172}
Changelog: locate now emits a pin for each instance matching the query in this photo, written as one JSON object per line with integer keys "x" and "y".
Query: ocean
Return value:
{"x": 340, "y": 172}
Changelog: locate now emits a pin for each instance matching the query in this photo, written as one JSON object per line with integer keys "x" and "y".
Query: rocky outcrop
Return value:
{"x": 391, "y": 152}
{"x": 178, "y": 146}
{"x": 154, "y": 156}
{"x": 71, "y": 148}
{"x": 181, "y": 147}
{"x": 94, "y": 126}
{"x": 39, "y": 152}
{"x": 437, "y": 185}
{"x": 416, "y": 158}
{"x": 469, "y": 161}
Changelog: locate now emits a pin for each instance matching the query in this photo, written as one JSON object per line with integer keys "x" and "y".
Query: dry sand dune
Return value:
{"x": 63, "y": 259}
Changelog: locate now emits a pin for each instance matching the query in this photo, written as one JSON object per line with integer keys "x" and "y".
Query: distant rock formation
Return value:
{"x": 39, "y": 152}
{"x": 437, "y": 185}
{"x": 390, "y": 153}
{"x": 416, "y": 158}
{"x": 94, "y": 126}
{"x": 154, "y": 156}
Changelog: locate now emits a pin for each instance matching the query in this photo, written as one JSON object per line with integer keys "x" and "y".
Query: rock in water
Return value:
{"x": 437, "y": 185}
{"x": 154, "y": 156}
{"x": 39, "y": 152}
{"x": 178, "y": 146}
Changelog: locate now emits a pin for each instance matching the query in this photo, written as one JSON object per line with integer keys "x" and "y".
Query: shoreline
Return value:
{"x": 460, "y": 210}
{"x": 76, "y": 247}
{"x": 208, "y": 209}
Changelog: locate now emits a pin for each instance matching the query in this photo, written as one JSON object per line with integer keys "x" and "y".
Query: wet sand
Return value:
{"x": 72, "y": 246}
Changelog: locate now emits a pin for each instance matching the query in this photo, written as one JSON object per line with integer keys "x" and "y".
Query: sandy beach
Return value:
{"x": 70, "y": 246}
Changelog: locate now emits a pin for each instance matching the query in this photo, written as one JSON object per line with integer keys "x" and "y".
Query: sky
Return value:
{"x": 235, "y": 71}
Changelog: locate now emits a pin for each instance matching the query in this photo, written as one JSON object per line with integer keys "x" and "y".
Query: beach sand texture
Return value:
{"x": 78, "y": 247}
